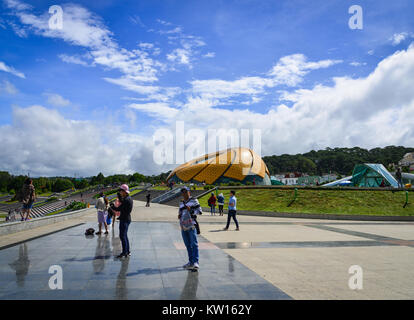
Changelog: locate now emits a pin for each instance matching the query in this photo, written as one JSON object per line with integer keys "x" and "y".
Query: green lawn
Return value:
{"x": 383, "y": 203}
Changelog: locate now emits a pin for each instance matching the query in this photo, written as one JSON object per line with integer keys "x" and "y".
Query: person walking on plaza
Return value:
{"x": 399, "y": 178}
{"x": 148, "y": 196}
{"x": 220, "y": 201}
{"x": 212, "y": 204}
{"x": 188, "y": 211}
{"x": 28, "y": 197}
{"x": 125, "y": 209}
{"x": 232, "y": 211}
{"x": 102, "y": 207}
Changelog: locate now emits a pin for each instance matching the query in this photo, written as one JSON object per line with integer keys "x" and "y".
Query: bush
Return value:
{"x": 208, "y": 187}
{"x": 51, "y": 199}
{"x": 76, "y": 205}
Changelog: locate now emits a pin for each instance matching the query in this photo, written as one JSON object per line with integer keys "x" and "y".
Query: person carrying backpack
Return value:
{"x": 188, "y": 211}
{"x": 220, "y": 201}
{"x": 212, "y": 204}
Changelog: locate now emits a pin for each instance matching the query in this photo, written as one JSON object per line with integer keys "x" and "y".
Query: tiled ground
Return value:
{"x": 154, "y": 270}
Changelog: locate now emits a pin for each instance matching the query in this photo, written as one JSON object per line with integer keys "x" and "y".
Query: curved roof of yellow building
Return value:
{"x": 234, "y": 163}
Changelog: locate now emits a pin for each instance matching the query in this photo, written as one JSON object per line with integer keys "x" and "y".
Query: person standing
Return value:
{"x": 102, "y": 207}
{"x": 212, "y": 204}
{"x": 28, "y": 198}
{"x": 125, "y": 209}
{"x": 232, "y": 211}
{"x": 188, "y": 211}
{"x": 399, "y": 178}
{"x": 148, "y": 196}
{"x": 220, "y": 201}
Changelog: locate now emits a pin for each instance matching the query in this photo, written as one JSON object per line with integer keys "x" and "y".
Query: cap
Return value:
{"x": 125, "y": 188}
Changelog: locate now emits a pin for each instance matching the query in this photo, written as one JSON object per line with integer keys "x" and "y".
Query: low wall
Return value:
{"x": 12, "y": 227}
{"x": 206, "y": 211}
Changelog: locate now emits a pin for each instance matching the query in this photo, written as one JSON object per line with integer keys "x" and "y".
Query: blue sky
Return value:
{"x": 125, "y": 69}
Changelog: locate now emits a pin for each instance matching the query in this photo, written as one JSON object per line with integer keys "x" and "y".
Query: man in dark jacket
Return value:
{"x": 125, "y": 209}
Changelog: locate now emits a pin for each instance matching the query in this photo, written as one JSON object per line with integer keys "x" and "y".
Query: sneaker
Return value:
{"x": 106, "y": 232}
{"x": 121, "y": 256}
{"x": 128, "y": 254}
{"x": 98, "y": 232}
{"x": 225, "y": 229}
{"x": 237, "y": 229}
{"x": 196, "y": 266}
{"x": 188, "y": 266}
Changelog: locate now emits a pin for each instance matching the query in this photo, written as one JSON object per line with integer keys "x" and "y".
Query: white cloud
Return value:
{"x": 8, "y": 88}
{"x": 56, "y": 100}
{"x": 74, "y": 59}
{"x": 368, "y": 112}
{"x": 156, "y": 109}
{"x": 6, "y": 68}
{"x": 83, "y": 28}
{"x": 72, "y": 146}
{"x": 209, "y": 55}
{"x": 180, "y": 56}
{"x": 397, "y": 38}
{"x": 291, "y": 69}
{"x": 357, "y": 64}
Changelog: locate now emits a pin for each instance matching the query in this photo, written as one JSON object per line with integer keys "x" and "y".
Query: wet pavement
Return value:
{"x": 154, "y": 271}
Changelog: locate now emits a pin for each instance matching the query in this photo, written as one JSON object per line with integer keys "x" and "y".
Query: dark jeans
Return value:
{"x": 220, "y": 208}
{"x": 232, "y": 213}
{"x": 123, "y": 235}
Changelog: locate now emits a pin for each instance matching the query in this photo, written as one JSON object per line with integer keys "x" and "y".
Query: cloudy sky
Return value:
{"x": 91, "y": 96}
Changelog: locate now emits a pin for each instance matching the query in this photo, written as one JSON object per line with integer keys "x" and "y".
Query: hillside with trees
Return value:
{"x": 337, "y": 160}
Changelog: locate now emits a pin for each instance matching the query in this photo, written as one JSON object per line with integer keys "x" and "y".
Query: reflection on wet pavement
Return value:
{"x": 21, "y": 265}
{"x": 91, "y": 271}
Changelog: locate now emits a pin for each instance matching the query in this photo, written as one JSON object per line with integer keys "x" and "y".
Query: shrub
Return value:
{"x": 51, "y": 199}
{"x": 76, "y": 205}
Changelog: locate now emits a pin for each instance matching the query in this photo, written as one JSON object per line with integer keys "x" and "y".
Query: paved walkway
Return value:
{"x": 269, "y": 258}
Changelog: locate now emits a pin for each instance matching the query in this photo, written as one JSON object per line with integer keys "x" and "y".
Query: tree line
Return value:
{"x": 10, "y": 183}
{"x": 337, "y": 160}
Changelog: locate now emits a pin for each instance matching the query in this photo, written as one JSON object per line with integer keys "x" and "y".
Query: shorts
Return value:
{"x": 29, "y": 205}
{"x": 102, "y": 215}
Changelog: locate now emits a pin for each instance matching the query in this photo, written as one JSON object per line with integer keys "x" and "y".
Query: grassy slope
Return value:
{"x": 322, "y": 201}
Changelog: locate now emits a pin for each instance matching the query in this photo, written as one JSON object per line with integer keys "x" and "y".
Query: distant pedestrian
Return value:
{"x": 212, "y": 204}
{"x": 102, "y": 208}
{"x": 220, "y": 201}
{"x": 398, "y": 175}
{"x": 188, "y": 211}
{"x": 125, "y": 209}
{"x": 28, "y": 198}
{"x": 148, "y": 196}
{"x": 232, "y": 211}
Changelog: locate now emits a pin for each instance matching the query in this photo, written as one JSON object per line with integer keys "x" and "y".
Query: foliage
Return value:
{"x": 62, "y": 185}
{"x": 76, "y": 205}
{"x": 338, "y": 160}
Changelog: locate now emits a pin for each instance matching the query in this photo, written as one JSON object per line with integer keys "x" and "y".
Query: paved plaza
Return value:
{"x": 269, "y": 258}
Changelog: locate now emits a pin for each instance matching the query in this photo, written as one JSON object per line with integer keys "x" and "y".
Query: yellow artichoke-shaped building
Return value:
{"x": 232, "y": 165}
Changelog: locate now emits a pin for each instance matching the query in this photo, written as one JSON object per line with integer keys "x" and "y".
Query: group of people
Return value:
{"x": 231, "y": 209}
{"x": 189, "y": 209}
{"x": 119, "y": 211}
{"x": 212, "y": 203}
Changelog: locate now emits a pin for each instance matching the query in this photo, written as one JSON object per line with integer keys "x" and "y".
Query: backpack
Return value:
{"x": 19, "y": 195}
{"x": 89, "y": 232}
